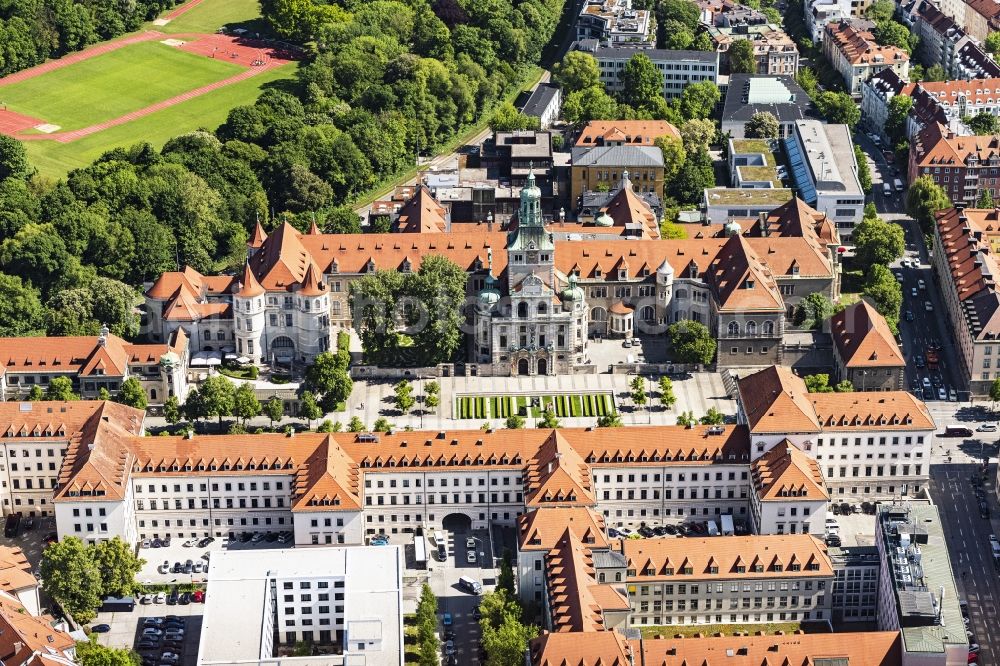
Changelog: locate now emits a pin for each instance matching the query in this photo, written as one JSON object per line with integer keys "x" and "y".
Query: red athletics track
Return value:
{"x": 182, "y": 9}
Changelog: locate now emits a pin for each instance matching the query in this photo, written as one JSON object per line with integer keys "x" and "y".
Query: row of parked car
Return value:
{"x": 161, "y": 640}
{"x": 694, "y": 528}
{"x": 189, "y": 567}
{"x": 174, "y": 598}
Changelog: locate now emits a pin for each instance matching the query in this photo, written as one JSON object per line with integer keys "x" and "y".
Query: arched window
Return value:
{"x": 647, "y": 313}
{"x": 768, "y": 328}
{"x": 152, "y": 394}
{"x": 751, "y": 328}
{"x": 734, "y": 328}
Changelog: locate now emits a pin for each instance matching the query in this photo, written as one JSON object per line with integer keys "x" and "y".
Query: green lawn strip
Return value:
{"x": 576, "y": 405}
{"x": 55, "y": 160}
{"x": 113, "y": 84}
{"x": 769, "y": 628}
{"x": 481, "y": 412}
{"x": 211, "y": 15}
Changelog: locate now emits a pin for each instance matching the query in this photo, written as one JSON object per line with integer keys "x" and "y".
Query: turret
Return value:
{"x": 248, "y": 315}
{"x": 256, "y": 239}
{"x": 312, "y": 300}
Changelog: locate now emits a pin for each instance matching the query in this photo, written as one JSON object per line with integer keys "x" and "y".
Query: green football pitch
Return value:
{"x": 113, "y": 84}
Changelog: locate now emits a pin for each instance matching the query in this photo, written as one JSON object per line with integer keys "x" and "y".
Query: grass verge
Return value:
{"x": 211, "y": 15}
{"x": 770, "y": 628}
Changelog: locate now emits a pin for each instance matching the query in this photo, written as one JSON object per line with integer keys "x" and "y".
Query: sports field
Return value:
{"x": 55, "y": 159}
{"x": 113, "y": 84}
{"x": 210, "y": 15}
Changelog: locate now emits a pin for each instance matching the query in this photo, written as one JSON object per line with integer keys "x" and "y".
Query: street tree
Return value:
{"x": 118, "y": 566}
{"x": 577, "y": 71}
{"x": 71, "y": 577}
{"x": 245, "y": 403}
{"x": 382, "y": 424}
{"x": 838, "y": 107}
{"x": 274, "y": 409}
{"x": 667, "y": 397}
{"x": 610, "y": 421}
{"x": 60, "y": 388}
{"x": 884, "y": 293}
{"x": 995, "y": 391}
{"x": 690, "y": 342}
{"x": 91, "y": 653}
{"x": 818, "y": 383}
{"x": 812, "y": 311}
{"x": 923, "y": 199}
{"x": 864, "y": 173}
{"x": 432, "y": 395}
{"x": 713, "y": 417}
{"x": 741, "y": 57}
{"x": 895, "y": 124}
{"x": 403, "y": 396}
{"x": 686, "y": 419}
{"x": 762, "y": 125}
{"x": 132, "y": 394}
{"x": 878, "y": 242}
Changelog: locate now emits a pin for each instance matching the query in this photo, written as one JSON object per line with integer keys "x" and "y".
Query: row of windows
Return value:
{"x": 880, "y": 470}
{"x": 733, "y": 618}
{"x": 405, "y": 483}
{"x": 707, "y": 493}
{"x": 456, "y": 498}
{"x": 217, "y": 503}
{"x": 202, "y": 487}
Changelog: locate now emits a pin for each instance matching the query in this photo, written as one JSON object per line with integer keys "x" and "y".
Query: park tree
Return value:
{"x": 697, "y": 134}
{"x": 548, "y": 418}
{"x": 71, "y": 577}
{"x": 864, "y": 173}
{"x": 838, "y": 107}
{"x": 818, "y": 383}
{"x": 983, "y": 123}
{"x": 698, "y": 100}
{"x": 667, "y": 397}
{"x": 403, "y": 396}
{"x": 878, "y": 242}
{"x": 695, "y": 177}
{"x": 91, "y": 653}
{"x": 218, "y": 397}
{"x": 13, "y": 159}
{"x": 356, "y": 425}
{"x": 992, "y": 43}
{"x": 172, "y": 410}
{"x": 812, "y": 311}
{"x": 642, "y": 82}
{"x": 274, "y": 409}
{"x": 578, "y": 70}
{"x": 342, "y": 220}
{"x": 21, "y": 311}
{"x": 690, "y": 342}
{"x": 674, "y": 155}
{"x": 591, "y": 103}
{"x": 439, "y": 287}
{"x": 741, "y": 57}
{"x": 923, "y": 199}
{"x": 844, "y": 386}
{"x": 118, "y": 566}
{"x": 132, "y": 394}
{"x": 713, "y": 417}
{"x": 245, "y": 403}
{"x": 884, "y": 293}
{"x": 60, "y": 388}
{"x": 762, "y": 125}
{"x": 638, "y": 386}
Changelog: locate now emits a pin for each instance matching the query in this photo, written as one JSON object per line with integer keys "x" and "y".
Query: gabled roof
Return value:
{"x": 633, "y": 132}
{"x": 785, "y": 472}
{"x": 422, "y": 214}
{"x": 740, "y": 280}
{"x": 282, "y": 260}
{"x": 81, "y": 354}
{"x": 863, "y": 338}
{"x": 576, "y": 600}
{"x": 541, "y": 528}
{"x": 328, "y": 479}
{"x": 583, "y": 648}
{"x": 628, "y": 209}
{"x": 249, "y": 287}
{"x": 558, "y": 475}
{"x": 884, "y": 410}
{"x": 776, "y": 400}
{"x": 15, "y": 570}
{"x": 184, "y": 306}
{"x": 25, "y": 639}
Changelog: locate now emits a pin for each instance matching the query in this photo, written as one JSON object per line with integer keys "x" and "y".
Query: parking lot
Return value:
{"x": 178, "y": 553}
{"x": 126, "y": 631}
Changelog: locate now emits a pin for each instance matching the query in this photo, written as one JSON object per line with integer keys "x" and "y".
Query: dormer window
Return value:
{"x": 405, "y": 268}
{"x": 748, "y": 284}
{"x": 370, "y": 267}
{"x": 597, "y": 272}
{"x": 621, "y": 274}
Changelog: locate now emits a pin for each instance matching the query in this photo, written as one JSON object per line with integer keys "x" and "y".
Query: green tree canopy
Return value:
{"x": 638, "y": 386}
{"x": 899, "y": 110}
{"x": 878, "y": 242}
{"x": 690, "y": 342}
{"x": 274, "y": 409}
{"x": 21, "y": 310}
{"x": 642, "y": 82}
{"x": 309, "y": 409}
{"x": 713, "y": 417}
{"x": 327, "y": 376}
{"x": 132, "y": 393}
{"x": 985, "y": 199}
{"x": 695, "y": 176}
{"x": 13, "y": 159}
{"x": 992, "y": 43}
{"x": 761, "y": 125}
{"x": 508, "y": 119}
{"x": 983, "y": 123}
{"x": 838, "y": 107}
{"x": 578, "y": 70}
{"x": 864, "y": 172}
{"x": 245, "y": 403}
{"x": 813, "y": 310}
{"x": 591, "y": 103}
{"x": 818, "y": 383}
{"x": 667, "y": 397}
{"x": 118, "y": 566}
{"x": 924, "y": 198}
{"x": 884, "y": 293}
{"x": 880, "y": 10}
{"x": 741, "y": 57}
{"x": 218, "y": 397}
{"x": 91, "y": 653}
{"x": 698, "y": 100}
{"x": 403, "y": 396}
{"x": 60, "y": 388}
{"x": 674, "y": 155}
{"x": 891, "y": 33}
{"x": 71, "y": 577}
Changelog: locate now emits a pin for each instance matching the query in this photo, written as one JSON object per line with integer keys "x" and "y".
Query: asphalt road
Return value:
{"x": 927, "y": 327}
{"x": 967, "y": 535}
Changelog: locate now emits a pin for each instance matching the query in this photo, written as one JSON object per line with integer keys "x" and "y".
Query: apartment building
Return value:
{"x": 855, "y": 582}
{"x": 775, "y": 53}
{"x": 789, "y": 494}
{"x": 346, "y": 603}
{"x": 964, "y": 166}
{"x": 678, "y": 68}
{"x": 945, "y": 42}
{"x": 965, "y": 250}
{"x": 823, "y": 164}
{"x": 851, "y": 48}
{"x": 865, "y": 350}
{"x": 94, "y": 363}
{"x": 603, "y": 166}
{"x": 870, "y": 445}
{"x": 727, "y": 580}
{"x": 917, "y": 594}
{"x": 616, "y": 22}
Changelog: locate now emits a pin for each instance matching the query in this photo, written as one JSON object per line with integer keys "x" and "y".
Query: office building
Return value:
{"x": 748, "y": 94}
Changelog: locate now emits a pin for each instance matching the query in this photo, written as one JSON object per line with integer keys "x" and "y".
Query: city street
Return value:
{"x": 920, "y": 327}
{"x": 971, "y": 557}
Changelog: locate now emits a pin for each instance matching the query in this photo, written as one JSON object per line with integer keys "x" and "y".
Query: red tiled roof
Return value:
{"x": 784, "y": 471}
{"x": 864, "y": 339}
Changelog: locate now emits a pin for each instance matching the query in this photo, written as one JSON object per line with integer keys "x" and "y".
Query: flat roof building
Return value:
{"x": 346, "y": 602}
{"x": 748, "y": 94}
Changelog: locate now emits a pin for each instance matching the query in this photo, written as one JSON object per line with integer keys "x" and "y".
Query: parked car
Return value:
{"x": 152, "y": 631}
{"x": 184, "y": 599}
{"x": 101, "y": 628}
{"x": 153, "y": 622}
{"x": 271, "y": 537}
{"x": 198, "y": 597}
{"x": 159, "y": 598}
{"x": 928, "y": 306}
{"x": 257, "y": 537}
{"x": 446, "y": 619}
{"x": 470, "y": 556}
{"x": 188, "y": 566}
{"x": 987, "y": 427}
{"x": 165, "y": 567}
{"x": 146, "y": 599}
{"x": 198, "y": 567}
{"x": 170, "y": 657}
{"x": 190, "y": 543}
{"x": 204, "y": 542}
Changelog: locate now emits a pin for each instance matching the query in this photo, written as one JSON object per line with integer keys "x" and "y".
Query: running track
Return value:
{"x": 182, "y": 9}
{"x": 66, "y": 137}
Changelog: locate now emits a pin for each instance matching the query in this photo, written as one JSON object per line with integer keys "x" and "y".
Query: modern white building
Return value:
{"x": 678, "y": 68}
{"x": 346, "y": 603}
{"x": 616, "y": 22}
{"x": 825, "y": 169}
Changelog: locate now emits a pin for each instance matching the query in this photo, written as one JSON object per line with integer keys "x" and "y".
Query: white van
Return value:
{"x": 886, "y": 189}
{"x": 470, "y": 585}
{"x": 898, "y": 184}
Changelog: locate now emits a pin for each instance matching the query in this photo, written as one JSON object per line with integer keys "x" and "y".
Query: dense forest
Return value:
{"x": 385, "y": 81}
{"x": 32, "y": 31}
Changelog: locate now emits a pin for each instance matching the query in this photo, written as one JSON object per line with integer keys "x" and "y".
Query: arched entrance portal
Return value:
{"x": 522, "y": 366}
{"x": 542, "y": 366}
{"x": 457, "y": 523}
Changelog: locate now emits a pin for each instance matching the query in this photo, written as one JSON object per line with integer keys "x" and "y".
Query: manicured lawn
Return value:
{"x": 769, "y": 628}
{"x": 565, "y": 405}
{"x": 208, "y": 111}
{"x": 211, "y": 15}
{"x": 113, "y": 84}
